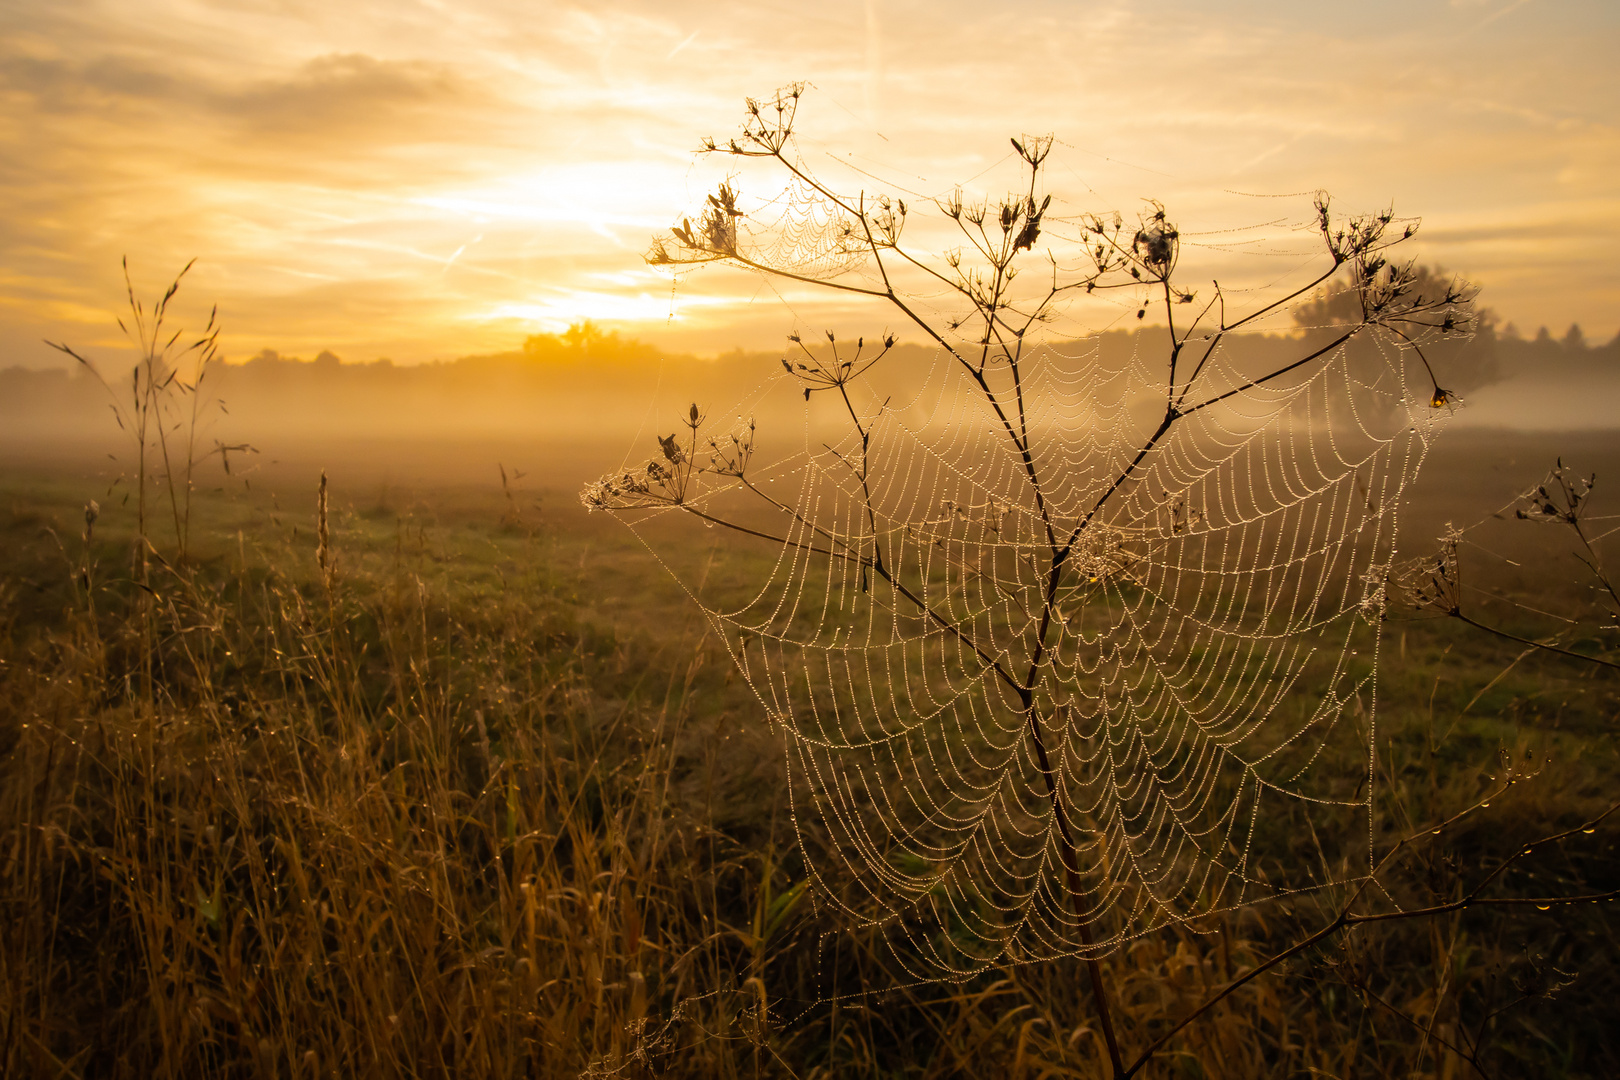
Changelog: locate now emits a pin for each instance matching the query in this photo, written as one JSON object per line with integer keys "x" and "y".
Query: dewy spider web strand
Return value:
{"x": 1236, "y": 571}
{"x": 1211, "y": 645}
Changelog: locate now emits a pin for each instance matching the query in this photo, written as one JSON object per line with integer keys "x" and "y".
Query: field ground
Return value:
{"x": 493, "y": 804}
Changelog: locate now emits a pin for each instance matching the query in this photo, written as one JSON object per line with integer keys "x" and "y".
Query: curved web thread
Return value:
{"x": 801, "y": 232}
{"x": 1238, "y": 575}
{"x": 1062, "y": 654}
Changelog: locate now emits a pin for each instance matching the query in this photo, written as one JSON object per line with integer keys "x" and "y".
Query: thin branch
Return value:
{"x": 1251, "y": 384}
{"x": 1549, "y": 647}
{"x": 1345, "y": 918}
{"x": 1428, "y": 1032}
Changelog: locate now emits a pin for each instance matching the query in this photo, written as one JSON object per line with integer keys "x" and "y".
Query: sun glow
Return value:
{"x": 608, "y": 199}
{"x": 553, "y": 314}
{"x": 420, "y": 188}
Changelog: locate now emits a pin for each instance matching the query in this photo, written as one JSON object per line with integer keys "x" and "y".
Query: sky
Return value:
{"x": 422, "y": 180}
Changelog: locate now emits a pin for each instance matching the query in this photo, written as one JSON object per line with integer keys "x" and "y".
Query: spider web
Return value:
{"x": 801, "y": 232}
{"x": 1206, "y": 669}
{"x": 1213, "y": 643}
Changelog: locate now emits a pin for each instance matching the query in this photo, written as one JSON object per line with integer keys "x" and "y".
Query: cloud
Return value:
{"x": 328, "y": 161}
{"x": 334, "y": 100}
{"x": 344, "y": 104}
{"x": 61, "y": 87}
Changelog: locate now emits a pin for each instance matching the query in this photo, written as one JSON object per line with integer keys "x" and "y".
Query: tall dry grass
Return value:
{"x": 348, "y": 832}
{"x": 371, "y": 818}
{"x": 360, "y": 829}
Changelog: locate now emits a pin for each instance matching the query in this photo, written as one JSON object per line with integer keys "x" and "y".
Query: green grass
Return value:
{"x": 497, "y": 805}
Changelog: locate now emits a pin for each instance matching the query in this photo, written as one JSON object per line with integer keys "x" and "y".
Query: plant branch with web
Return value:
{"x": 1054, "y": 639}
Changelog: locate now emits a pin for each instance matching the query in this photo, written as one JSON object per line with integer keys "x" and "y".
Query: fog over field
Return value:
{"x": 737, "y": 540}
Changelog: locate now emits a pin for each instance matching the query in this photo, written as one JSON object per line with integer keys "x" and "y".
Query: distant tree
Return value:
{"x": 585, "y": 341}
{"x": 1465, "y": 351}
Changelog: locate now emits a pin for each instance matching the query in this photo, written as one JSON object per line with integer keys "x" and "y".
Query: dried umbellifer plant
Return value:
{"x": 1433, "y": 583}
{"x": 1027, "y": 633}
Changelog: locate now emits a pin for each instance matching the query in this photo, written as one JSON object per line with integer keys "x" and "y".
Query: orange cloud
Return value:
{"x": 419, "y": 182}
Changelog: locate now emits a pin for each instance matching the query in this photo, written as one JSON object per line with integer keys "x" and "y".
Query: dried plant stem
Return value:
{"x": 1543, "y": 645}
{"x": 1071, "y": 869}
{"x": 153, "y": 413}
{"x": 992, "y": 356}
{"x": 1347, "y": 918}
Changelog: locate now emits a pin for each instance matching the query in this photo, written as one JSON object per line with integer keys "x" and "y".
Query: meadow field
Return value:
{"x": 483, "y": 796}
{"x": 1044, "y": 542}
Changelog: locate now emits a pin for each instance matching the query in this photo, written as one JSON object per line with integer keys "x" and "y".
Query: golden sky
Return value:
{"x": 421, "y": 179}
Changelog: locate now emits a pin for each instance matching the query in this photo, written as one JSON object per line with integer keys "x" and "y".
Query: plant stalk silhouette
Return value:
{"x": 991, "y": 340}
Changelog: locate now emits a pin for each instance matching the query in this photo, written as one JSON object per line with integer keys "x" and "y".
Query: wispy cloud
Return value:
{"x": 330, "y": 164}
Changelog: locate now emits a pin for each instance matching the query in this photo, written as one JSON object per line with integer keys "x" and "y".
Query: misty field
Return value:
{"x": 875, "y": 541}
{"x": 477, "y": 792}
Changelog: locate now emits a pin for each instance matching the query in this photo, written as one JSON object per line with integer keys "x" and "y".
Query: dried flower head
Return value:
{"x": 1155, "y": 242}
{"x": 834, "y": 367}
{"x": 672, "y": 479}
{"x": 1432, "y": 582}
{"x": 1560, "y": 497}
